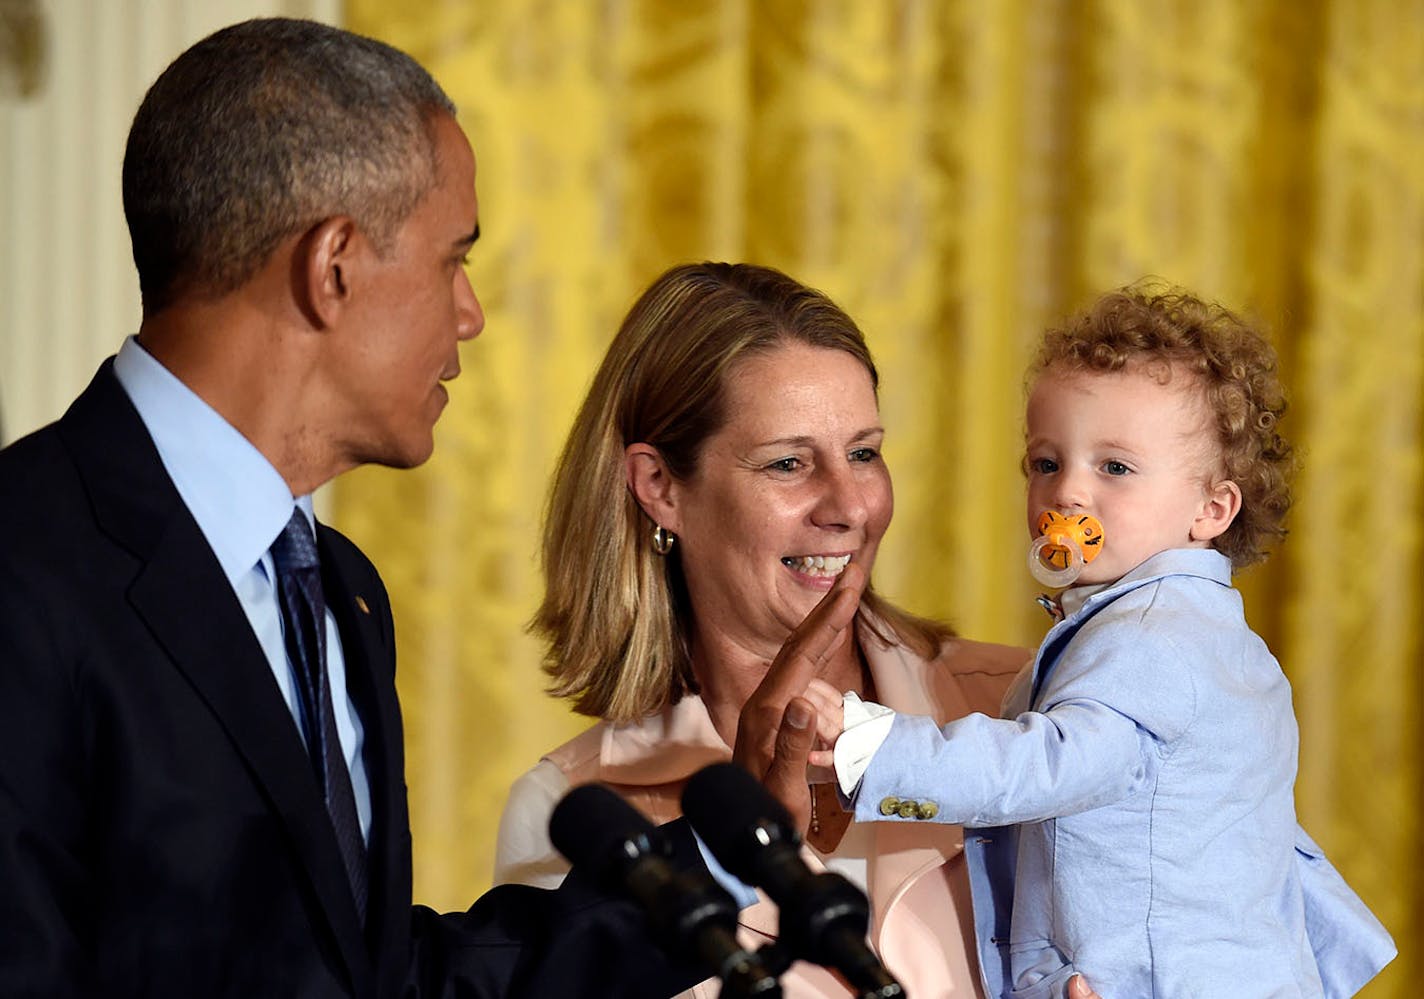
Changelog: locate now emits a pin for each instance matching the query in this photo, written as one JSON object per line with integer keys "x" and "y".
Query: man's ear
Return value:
{"x": 323, "y": 267}
{"x": 1219, "y": 508}
{"x": 652, "y": 485}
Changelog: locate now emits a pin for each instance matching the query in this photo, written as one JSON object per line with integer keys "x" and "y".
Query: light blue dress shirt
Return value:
{"x": 1142, "y": 780}
{"x": 241, "y": 504}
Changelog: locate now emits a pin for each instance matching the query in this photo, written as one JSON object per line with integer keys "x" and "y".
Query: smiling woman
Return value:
{"x": 723, "y": 471}
{"x": 784, "y": 496}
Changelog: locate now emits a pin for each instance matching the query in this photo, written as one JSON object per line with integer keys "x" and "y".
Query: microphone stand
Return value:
{"x": 687, "y": 911}
{"x": 823, "y": 917}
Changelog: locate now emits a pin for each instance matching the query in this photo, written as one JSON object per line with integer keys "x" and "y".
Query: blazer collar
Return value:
{"x": 181, "y": 593}
{"x": 678, "y": 741}
{"x": 669, "y": 746}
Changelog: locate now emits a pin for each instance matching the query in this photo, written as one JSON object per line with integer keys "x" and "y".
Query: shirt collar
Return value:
{"x": 1205, "y": 563}
{"x": 1071, "y": 600}
{"x": 241, "y": 502}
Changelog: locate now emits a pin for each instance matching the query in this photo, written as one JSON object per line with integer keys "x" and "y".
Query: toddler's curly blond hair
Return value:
{"x": 1237, "y": 369}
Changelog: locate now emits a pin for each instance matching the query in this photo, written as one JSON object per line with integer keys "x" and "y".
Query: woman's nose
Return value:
{"x": 842, "y": 500}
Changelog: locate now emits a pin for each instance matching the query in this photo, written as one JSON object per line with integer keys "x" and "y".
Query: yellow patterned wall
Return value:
{"x": 956, "y": 174}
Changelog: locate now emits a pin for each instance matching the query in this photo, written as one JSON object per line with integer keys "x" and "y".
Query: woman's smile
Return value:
{"x": 817, "y": 568}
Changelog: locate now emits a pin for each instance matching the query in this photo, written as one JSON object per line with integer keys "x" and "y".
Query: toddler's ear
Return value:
{"x": 1220, "y": 505}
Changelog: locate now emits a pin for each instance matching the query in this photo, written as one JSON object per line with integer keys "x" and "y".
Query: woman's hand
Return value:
{"x": 1078, "y": 989}
{"x": 777, "y": 726}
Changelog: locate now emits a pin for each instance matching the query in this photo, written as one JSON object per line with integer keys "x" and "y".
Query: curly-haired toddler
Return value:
{"x": 1131, "y": 816}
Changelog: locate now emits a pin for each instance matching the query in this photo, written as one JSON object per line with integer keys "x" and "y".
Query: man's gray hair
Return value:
{"x": 262, "y": 130}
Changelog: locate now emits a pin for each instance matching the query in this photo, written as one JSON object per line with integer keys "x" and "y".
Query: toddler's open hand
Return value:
{"x": 830, "y": 721}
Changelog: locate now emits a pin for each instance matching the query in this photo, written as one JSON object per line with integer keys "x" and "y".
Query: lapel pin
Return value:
{"x": 361, "y": 603}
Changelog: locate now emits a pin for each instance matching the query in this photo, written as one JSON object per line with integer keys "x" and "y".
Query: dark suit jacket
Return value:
{"x": 160, "y": 830}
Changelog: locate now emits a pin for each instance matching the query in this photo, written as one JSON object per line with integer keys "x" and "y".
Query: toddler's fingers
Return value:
{"x": 830, "y": 709}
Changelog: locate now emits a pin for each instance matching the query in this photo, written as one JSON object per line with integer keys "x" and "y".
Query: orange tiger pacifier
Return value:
{"x": 1065, "y": 543}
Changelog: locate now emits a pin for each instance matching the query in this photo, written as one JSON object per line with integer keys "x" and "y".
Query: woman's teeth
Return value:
{"x": 818, "y": 565}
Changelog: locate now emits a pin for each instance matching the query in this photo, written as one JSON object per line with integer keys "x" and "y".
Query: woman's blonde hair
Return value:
{"x": 615, "y": 613}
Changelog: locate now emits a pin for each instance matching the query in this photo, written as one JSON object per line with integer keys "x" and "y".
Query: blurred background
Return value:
{"x": 956, "y": 174}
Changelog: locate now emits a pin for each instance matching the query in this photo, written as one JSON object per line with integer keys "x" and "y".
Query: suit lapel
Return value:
{"x": 182, "y": 595}
{"x": 358, "y": 603}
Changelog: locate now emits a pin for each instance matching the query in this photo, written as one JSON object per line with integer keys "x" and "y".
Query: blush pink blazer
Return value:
{"x": 922, "y": 920}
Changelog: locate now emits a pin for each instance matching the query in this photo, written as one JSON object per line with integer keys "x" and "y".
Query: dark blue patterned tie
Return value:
{"x": 304, "y": 625}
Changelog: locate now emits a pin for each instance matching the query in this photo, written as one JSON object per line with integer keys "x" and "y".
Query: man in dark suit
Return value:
{"x": 202, "y": 783}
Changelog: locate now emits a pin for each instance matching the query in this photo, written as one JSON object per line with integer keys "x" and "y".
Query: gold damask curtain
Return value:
{"x": 956, "y": 174}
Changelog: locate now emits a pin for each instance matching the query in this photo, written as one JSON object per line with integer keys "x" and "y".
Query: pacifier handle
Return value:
{"x": 1066, "y": 543}
{"x": 1053, "y": 563}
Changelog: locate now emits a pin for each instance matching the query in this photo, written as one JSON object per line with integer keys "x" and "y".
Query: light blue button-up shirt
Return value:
{"x": 241, "y": 504}
{"x": 1143, "y": 782}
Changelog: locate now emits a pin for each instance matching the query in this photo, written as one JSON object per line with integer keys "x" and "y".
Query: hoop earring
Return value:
{"x": 662, "y": 539}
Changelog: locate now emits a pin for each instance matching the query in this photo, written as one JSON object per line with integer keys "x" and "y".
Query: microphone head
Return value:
{"x": 597, "y": 830}
{"x": 737, "y": 818}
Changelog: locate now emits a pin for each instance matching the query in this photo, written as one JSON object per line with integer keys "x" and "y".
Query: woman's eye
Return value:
{"x": 1043, "y": 466}
{"x": 785, "y": 465}
{"x": 1115, "y": 468}
{"x": 864, "y": 454}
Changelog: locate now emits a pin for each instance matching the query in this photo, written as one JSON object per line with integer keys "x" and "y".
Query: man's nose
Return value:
{"x": 469, "y": 314}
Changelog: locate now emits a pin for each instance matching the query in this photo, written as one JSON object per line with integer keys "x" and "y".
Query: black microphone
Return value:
{"x": 689, "y": 913}
{"x": 824, "y": 917}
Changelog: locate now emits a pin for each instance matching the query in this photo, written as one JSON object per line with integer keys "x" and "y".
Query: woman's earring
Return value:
{"x": 662, "y": 539}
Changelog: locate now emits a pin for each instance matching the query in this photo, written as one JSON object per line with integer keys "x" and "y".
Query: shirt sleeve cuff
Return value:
{"x": 867, "y": 725}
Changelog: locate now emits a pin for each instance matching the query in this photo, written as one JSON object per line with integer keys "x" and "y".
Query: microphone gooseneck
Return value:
{"x": 824, "y": 918}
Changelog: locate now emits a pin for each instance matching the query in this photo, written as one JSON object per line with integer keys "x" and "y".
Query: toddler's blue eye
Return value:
{"x": 1043, "y": 466}
{"x": 1115, "y": 468}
